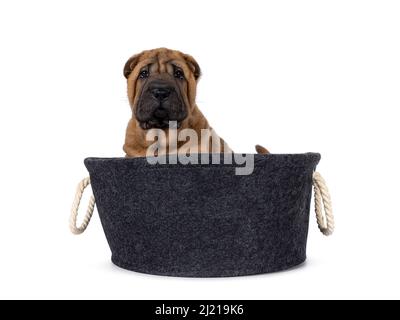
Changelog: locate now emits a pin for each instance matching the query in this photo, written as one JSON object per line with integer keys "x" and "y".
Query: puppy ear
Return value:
{"x": 194, "y": 66}
{"x": 130, "y": 64}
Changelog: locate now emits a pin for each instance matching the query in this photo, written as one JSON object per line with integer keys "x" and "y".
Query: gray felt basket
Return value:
{"x": 203, "y": 220}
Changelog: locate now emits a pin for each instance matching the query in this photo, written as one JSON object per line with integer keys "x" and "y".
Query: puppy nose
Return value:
{"x": 161, "y": 93}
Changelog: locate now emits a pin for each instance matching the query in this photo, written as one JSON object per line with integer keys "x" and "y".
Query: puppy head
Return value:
{"x": 161, "y": 87}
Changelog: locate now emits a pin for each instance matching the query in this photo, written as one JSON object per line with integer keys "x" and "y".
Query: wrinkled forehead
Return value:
{"x": 162, "y": 62}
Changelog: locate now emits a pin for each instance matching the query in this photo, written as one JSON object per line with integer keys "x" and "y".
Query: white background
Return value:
{"x": 295, "y": 76}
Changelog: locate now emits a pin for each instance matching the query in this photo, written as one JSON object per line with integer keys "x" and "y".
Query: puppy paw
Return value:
{"x": 261, "y": 149}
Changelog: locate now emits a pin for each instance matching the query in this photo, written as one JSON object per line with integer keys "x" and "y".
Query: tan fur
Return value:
{"x": 261, "y": 149}
{"x": 135, "y": 142}
{"x": 161, "y": 60}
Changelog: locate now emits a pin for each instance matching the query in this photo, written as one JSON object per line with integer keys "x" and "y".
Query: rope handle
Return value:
{"x": 323, "y": 205}
{"x": 322, "y": 200}
{"x": 75, "y": 206}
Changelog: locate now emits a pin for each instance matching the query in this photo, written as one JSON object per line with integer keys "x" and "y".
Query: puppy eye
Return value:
{"x": 143, "y": 74}
{"x": 178, "y": 73}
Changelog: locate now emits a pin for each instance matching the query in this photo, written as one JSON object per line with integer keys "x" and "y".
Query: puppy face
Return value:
{"x": 161, "y": 87}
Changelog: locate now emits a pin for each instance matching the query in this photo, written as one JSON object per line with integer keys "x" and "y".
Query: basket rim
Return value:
{"x": 257, "y": 156}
